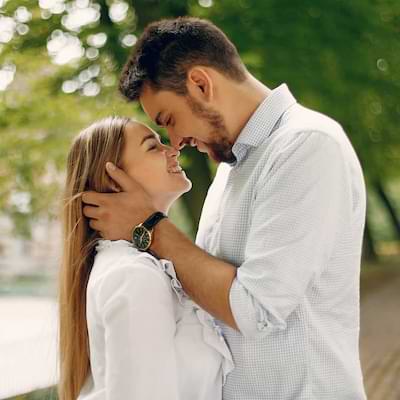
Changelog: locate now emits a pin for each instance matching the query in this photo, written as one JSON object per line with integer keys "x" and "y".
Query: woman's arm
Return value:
{"x": 139, "y": 324}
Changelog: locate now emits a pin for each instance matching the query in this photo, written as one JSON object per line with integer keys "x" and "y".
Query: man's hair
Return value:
{"x": 168, "y": 48}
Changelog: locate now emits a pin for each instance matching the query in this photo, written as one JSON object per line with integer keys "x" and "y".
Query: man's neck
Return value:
{"x": 246, "y": 98}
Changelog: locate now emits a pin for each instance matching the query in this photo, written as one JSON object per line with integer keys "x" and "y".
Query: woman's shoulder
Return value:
{"x": 120, "y": 269}
{"x": 118, "y": 262}
{"x": 114, "y": 254}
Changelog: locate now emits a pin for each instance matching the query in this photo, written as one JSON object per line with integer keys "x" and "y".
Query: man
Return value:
{"x": 278, "y": 249}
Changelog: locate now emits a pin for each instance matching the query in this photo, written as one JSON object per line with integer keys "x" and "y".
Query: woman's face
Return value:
{"x": 153, "y": 165}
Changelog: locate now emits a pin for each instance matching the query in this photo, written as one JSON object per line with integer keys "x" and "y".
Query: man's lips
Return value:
{"x": 192, "y": 142}
{"x": 201, "y": 146}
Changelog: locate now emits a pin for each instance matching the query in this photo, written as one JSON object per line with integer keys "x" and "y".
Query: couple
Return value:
{"x": 265, "y": 305}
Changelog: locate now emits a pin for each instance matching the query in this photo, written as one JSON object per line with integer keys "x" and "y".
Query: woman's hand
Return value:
{"x": 114, "y": 215}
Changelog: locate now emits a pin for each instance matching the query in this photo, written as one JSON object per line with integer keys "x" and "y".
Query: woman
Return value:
{"x": 127, "y": 329}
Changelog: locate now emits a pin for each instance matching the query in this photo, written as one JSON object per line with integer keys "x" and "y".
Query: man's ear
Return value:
{"x": 200, "y": 84}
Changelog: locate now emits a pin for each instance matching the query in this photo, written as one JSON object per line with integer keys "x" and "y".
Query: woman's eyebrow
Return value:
{"x": 151, "y": 136}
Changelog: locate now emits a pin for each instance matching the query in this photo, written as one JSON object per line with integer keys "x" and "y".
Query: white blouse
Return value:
{"x": 147, "y": 339}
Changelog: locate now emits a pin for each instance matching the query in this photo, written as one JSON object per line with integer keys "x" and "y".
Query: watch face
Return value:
{"x": 141, "y": 238}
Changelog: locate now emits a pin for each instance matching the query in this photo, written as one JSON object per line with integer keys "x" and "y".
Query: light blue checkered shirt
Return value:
{"x": 290, "y": 213}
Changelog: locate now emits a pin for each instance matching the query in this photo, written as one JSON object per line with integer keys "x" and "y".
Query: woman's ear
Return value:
{"x": 200, "y": 84}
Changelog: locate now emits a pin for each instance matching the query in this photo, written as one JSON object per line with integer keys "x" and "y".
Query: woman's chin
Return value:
{"x": 189, "y": 185}
{"x": 186, "y": 185}
{"x": 182, "y": 183}
{"x": 186, "y": 182}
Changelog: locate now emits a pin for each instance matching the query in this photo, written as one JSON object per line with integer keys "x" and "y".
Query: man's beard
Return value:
{"x": 219, "y": 144}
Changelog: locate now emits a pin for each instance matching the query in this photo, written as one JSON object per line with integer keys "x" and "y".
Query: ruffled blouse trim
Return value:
{"x": 212, "y": 333}
{"x": 103, "y": 244}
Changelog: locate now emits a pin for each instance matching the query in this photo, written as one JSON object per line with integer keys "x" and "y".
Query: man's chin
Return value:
{"x": 205, "y": 149}
{"x": 213, "y": 156}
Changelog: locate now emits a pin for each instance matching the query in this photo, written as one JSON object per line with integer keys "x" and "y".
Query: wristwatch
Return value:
{"x": 142, "y": 233}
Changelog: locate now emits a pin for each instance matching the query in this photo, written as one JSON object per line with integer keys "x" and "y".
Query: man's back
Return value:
{"x": 290, "y": 213}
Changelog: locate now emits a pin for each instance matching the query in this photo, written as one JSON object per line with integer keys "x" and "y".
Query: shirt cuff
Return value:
{"x": 252, "y": 318}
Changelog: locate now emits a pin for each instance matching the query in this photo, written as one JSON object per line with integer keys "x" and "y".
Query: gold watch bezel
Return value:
{"x": 150, "y": 232}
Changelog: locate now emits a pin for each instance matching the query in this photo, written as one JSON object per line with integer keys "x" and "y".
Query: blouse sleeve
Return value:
{"x": 138, "y": 317}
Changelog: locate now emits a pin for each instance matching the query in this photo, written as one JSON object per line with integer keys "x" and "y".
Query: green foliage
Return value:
{"x": 339, "y": 57}
{"x": 45, "y": 394}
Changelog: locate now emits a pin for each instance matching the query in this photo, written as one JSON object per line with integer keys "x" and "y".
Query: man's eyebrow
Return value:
{"x": 158, "y": 119}
{"x": 151, "y": 136}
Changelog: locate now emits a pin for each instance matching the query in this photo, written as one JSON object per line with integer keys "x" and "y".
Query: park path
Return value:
{"x": 380, "y": 340}
{"x": 28, "y": 341}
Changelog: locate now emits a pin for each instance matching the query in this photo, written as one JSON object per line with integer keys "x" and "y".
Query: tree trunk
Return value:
{"x": 199, "y": 173}
{"x": 387, "y": 202}
{"x": 369, "y": 251}
{"x": 113, "y": 45}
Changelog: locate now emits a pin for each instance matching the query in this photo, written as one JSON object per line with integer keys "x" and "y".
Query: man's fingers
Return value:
{"x": 94, "y": 224}
{"x": 115, "y": 187}
{"x": 120, "y": 177}
{"x": 91, "y": 212}
{"x": 92, "y": 198}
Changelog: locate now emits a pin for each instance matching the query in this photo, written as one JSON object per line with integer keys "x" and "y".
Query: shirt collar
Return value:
{"x": 262, "y": 122}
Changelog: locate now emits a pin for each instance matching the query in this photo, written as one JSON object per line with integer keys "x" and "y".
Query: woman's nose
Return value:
{"x": 171, "y": 151}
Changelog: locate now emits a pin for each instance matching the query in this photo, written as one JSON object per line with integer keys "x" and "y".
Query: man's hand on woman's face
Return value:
{"x": 114, "y": 215}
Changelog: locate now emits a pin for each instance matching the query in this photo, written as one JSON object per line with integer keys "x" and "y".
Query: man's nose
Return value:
{"x": 176, "y": 141}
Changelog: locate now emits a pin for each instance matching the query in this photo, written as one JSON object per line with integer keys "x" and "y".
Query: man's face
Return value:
{"x": 189, "y": 121}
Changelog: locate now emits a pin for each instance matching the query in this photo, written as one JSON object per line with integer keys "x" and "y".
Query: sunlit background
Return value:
{"x": 59, "y": 67}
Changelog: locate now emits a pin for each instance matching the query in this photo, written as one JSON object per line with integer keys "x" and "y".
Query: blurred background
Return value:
{"x": 59, "y": 66}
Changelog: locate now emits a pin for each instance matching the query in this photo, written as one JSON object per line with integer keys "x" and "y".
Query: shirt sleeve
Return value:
{"x": 299, "y": 205}
{"x": 139, "y": 323}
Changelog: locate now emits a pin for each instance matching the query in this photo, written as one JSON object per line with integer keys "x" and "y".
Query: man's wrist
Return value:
{"x": 142, "y": 234}
{"x": 156, "y": 244}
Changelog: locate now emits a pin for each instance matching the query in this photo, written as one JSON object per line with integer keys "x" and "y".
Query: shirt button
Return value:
{"x": 262, "y": 326}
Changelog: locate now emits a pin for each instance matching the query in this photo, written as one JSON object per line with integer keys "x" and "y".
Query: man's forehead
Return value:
{"x": 150, "y": 102}
{"x": 151, "y": 97}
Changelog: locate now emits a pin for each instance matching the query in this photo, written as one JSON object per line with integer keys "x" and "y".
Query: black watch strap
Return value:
{"x": 153, "y": 220}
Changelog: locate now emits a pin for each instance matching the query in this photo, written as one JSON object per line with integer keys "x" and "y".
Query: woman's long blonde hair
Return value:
{"x": 92, "y": 148}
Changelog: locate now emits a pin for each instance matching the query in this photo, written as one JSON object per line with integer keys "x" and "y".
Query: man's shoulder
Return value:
{"x": 302, "y": 121}
{"x": 301, "y": 118}
{"x": 301, "y": 133}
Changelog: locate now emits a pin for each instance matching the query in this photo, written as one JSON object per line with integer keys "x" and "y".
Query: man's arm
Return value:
{"x": 301, "y": 205}
{"x": 206, "y": 279}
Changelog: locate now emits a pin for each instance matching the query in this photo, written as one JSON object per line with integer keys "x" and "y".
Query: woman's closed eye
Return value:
{"x": 152, "y": 147}
{"x": 154, "y": 144}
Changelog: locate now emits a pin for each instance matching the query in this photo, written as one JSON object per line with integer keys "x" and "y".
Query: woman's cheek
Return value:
{"x": 142, "y": 175}
{"x": 154, "y": 177}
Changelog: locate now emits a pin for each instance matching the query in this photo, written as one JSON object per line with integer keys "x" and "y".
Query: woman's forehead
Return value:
{"x": 136, "y": 132}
